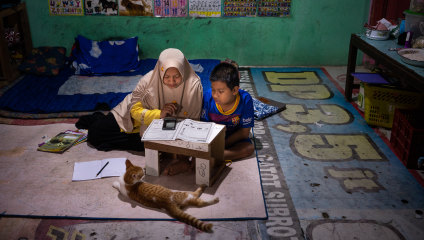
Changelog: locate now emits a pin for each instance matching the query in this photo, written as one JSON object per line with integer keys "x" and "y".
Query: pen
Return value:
{"x": 102, "y": 169}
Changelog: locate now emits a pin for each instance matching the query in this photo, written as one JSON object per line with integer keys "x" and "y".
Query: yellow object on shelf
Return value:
{"x": 382, "y": 100}
{"x": 361, "y": 95}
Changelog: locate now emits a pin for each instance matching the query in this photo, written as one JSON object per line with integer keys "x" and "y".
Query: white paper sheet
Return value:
{"x": 155, "y": 132}
{"x": 187, "y": 130}
{"x": 194, "y": 131}
{"x": 88, "y": 170}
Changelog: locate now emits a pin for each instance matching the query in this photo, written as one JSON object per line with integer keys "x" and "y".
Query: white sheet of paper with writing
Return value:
{"x": 155, "y": 132}
{"x": 194, "y": 131}
{"x": 88, "y": 170}
{"x": 187, "y": 130}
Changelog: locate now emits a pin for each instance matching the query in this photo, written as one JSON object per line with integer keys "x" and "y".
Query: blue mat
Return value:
{"x": 335, "y": 166}
{"x": 37, "y": 96}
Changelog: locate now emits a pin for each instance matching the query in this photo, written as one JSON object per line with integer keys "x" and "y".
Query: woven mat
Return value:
{"x": 35, "y": 183}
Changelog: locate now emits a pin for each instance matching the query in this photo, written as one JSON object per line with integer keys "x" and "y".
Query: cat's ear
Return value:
{"x": 128, "y": 163}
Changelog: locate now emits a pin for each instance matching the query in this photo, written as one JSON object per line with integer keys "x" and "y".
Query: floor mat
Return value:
{"x": 328, "y": 204}
{"x": 336, "y": 167}
{"x": 37, "y": 97}
{"x": 39, "y": 184}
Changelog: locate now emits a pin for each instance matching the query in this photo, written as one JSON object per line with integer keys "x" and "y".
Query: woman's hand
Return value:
{"x": 169, "y": 110}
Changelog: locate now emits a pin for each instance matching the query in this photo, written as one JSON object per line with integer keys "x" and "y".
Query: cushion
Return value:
{"x": 264, "y": 107}
{"x": 44, "y": 61}
{"x": 104, "y": 57}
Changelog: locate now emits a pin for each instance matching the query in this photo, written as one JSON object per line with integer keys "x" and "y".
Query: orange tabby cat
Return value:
{"x": 155, "y": 196}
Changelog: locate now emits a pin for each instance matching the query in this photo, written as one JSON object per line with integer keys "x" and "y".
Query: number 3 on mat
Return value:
{"x": 333, "y": 147}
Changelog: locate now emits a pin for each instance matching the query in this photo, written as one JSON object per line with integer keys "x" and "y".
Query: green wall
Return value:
{"x": 316, "y": 33}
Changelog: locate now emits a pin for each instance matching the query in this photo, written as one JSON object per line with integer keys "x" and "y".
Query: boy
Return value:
{"x": 225, "y": 103}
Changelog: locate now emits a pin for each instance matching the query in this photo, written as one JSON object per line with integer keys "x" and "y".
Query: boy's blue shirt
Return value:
{"x": 241, "y": 117}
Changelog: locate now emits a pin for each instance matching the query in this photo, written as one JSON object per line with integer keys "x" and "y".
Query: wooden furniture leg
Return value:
{"x": 351, "y": 65}
{"x": 203, "y": 171}
{"x": 152, "y": 162}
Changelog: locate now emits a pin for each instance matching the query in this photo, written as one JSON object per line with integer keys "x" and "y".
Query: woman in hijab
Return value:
{"x": 171, "y": 89}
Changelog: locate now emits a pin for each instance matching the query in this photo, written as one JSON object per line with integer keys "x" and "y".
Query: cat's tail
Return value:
{"x": 190, "y": 220}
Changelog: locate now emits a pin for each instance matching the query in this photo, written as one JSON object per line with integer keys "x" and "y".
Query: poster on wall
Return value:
{"x": 135, "y": 8}
{"x": 170, "y": 8}
{"x": 274, "y": 8}
{"x": 241, "y": 8}
{"x": 205, "y": 8}
{"x": 101, "y": 7}
{"x": 66, "y": 8}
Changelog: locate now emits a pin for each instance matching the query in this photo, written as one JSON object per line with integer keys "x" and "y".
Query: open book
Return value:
{"x": 187, "y": 130}
{"x": 108, "y": 167}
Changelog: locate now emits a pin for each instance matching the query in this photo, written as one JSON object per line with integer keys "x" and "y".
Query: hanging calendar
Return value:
{"x": 274, "y": 8}
{"x": 234, "y": 8}
{"x": 205, "y": 8}
{"x": 170, "y": 8}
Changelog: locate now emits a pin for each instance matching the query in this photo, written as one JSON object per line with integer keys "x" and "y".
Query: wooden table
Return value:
{"x": 209, "y": 156}
{"x": 408, "y": 75}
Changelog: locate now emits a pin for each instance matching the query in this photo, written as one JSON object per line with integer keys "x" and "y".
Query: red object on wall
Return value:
{"x": 391, "y": 10}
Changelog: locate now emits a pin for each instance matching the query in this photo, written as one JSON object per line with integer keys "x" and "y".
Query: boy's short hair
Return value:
{"x": 226, "y": 72}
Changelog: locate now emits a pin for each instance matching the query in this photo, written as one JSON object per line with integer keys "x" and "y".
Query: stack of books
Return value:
{"x": 63, "y": 141}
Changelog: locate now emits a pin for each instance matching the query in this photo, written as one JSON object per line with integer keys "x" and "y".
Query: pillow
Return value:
{"x": 104, "y": 57}
{"x": 264, "y": 107}
{"x": 44, "y": 61}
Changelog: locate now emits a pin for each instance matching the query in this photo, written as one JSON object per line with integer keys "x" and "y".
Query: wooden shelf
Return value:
{"x": 14, "y": 17}
{"x": 408, "y": 75}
